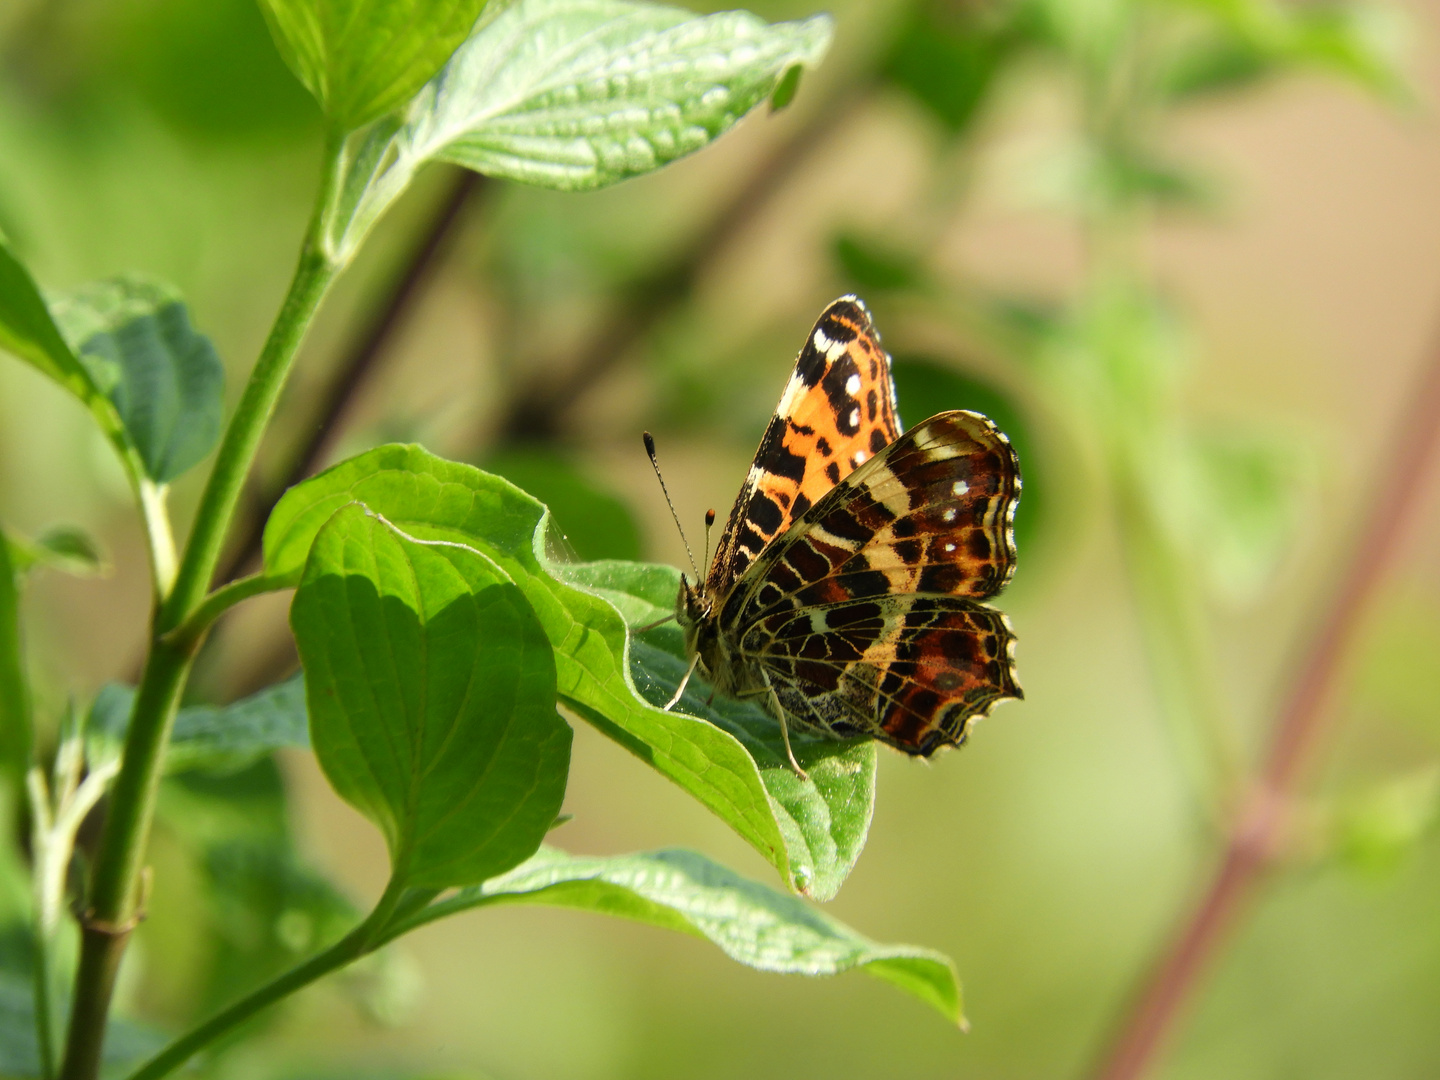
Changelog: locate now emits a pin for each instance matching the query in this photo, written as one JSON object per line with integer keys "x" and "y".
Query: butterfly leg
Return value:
{"x": 683, "y": 683}
{"x": 784, "y": 727}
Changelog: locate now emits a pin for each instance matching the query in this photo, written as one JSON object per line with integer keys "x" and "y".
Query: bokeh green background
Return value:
{"x": 1052, "y": 856}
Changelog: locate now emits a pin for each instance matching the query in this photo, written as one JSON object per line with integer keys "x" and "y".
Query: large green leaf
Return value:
{"x": 431, "y": 688}
{"x": 363, "y": 58}
{"x": 573, "y": 95}
{"x": 215, "y": 738}
{"x": 812, "y": 831}
{"x": 14, "y": 686}
{"x": 164, "y": 377}
{"x": 680, "y": 890}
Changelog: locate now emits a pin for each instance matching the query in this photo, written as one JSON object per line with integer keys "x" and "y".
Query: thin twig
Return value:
{"x": 538, "y": 412}
{"x": 1257, "y": 829}
{"x": 354, "y": 371}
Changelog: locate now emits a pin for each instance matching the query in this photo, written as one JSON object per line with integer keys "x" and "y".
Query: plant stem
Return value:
{"x": 365, "y": 938}
{"x": 217, "y": 603}
{"x": 242, "y": 439}
{"x": 159, "y": 537}
{"x": 353, "y": 373}
{"x": 114, "y": 904}
{"x": 1257, "y": 827}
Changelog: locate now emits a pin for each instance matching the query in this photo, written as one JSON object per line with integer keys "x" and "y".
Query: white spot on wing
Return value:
{"x": 855, "y": 418}
{"x": 949, "y": 515}
{"x": 860, "y": 457}
{"x": 852, "y": 385}
{"x": 960, "y": 487}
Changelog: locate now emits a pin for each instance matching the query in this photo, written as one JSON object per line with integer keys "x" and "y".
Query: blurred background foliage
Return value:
{"x": 1181, "y": 250}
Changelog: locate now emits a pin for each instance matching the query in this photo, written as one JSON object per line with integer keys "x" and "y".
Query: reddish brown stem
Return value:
{"x": 1257, "y": 828}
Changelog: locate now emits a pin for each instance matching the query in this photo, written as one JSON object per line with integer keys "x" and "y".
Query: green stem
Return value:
{"x": 158, "y": 535}
{"x": 365, "y": 938}
{"x": 242, "y": 439}
{"x": 44, "y": 1024}
{"x": 114, "y": 899}
{"x": 219, "y": 602}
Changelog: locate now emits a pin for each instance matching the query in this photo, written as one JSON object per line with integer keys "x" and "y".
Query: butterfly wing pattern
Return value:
{"x": 847, "y": 592}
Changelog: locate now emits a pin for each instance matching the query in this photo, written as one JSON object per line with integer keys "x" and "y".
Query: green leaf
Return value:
{"x": 28, "y": 331}
{"x": 752, "y": 924}
{"x": 875, "y": 268}
{"x": 216, "y": 738}
{"x": 64, "y": 547}
{"x": 1374, "y": 832}
{"x": 15, "y": 720}
{"x": 574, "y": 95}
{"x": 947, "y": 57}
{"x": 810, "y": 831}
{"x": 593, "y": 523}
{"x": 164, "y": 378}
{"x": 364, "y": 58}
{"x": 431, "y": 687}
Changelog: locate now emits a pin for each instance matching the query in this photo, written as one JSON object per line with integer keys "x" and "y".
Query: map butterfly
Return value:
{"x": 847, "y": 591}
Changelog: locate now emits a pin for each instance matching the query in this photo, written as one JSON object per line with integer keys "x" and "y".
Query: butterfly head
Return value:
{"x": 693, "y": 610}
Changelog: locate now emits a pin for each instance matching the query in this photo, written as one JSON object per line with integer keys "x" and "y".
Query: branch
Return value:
{"x": 353, "y": 373}
{"x": 1257, "y": 828}
{"x": 537, "y": 414}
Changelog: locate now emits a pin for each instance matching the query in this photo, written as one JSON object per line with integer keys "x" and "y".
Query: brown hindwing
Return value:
{"x": 866, "y": 611}
{"x": 911, "y": 671}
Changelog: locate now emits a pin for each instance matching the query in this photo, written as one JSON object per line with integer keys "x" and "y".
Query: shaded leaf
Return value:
{"x": 164, "y": 378}
{"x": 363, "y": 58}
{"x": 216, "y": 738}
{"x": 787, "y": 820}
{"x": 871, "y": 267}
{"x": 594, "y": 523}
{"x": 431, "y": 689}
{"x": 750, "y": 923}
{"x": 573, "y": 95}
{"x": 947, "y": 56}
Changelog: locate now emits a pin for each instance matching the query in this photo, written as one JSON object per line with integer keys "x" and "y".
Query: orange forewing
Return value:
{"x": 838, "y": 410}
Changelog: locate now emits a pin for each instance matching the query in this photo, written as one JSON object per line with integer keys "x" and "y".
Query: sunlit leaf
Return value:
{"x": 752, "y": 924}
{"x": 164, "y": 378}
{"x": 363, "y": 58}
{"x": 216, "y": 738}
{"x": 431, "y": 689}
{"x": 786, "y": 820}
{"x": 28, "y": 331}
{"x": 573, "y": 95}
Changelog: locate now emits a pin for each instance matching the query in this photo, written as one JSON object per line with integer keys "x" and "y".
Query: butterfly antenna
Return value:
{"x": 709, "y": 523}
{"x": 654, "y": 464}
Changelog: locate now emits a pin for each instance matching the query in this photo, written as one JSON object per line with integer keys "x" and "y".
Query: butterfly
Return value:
{"x": 847, "y": 591}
